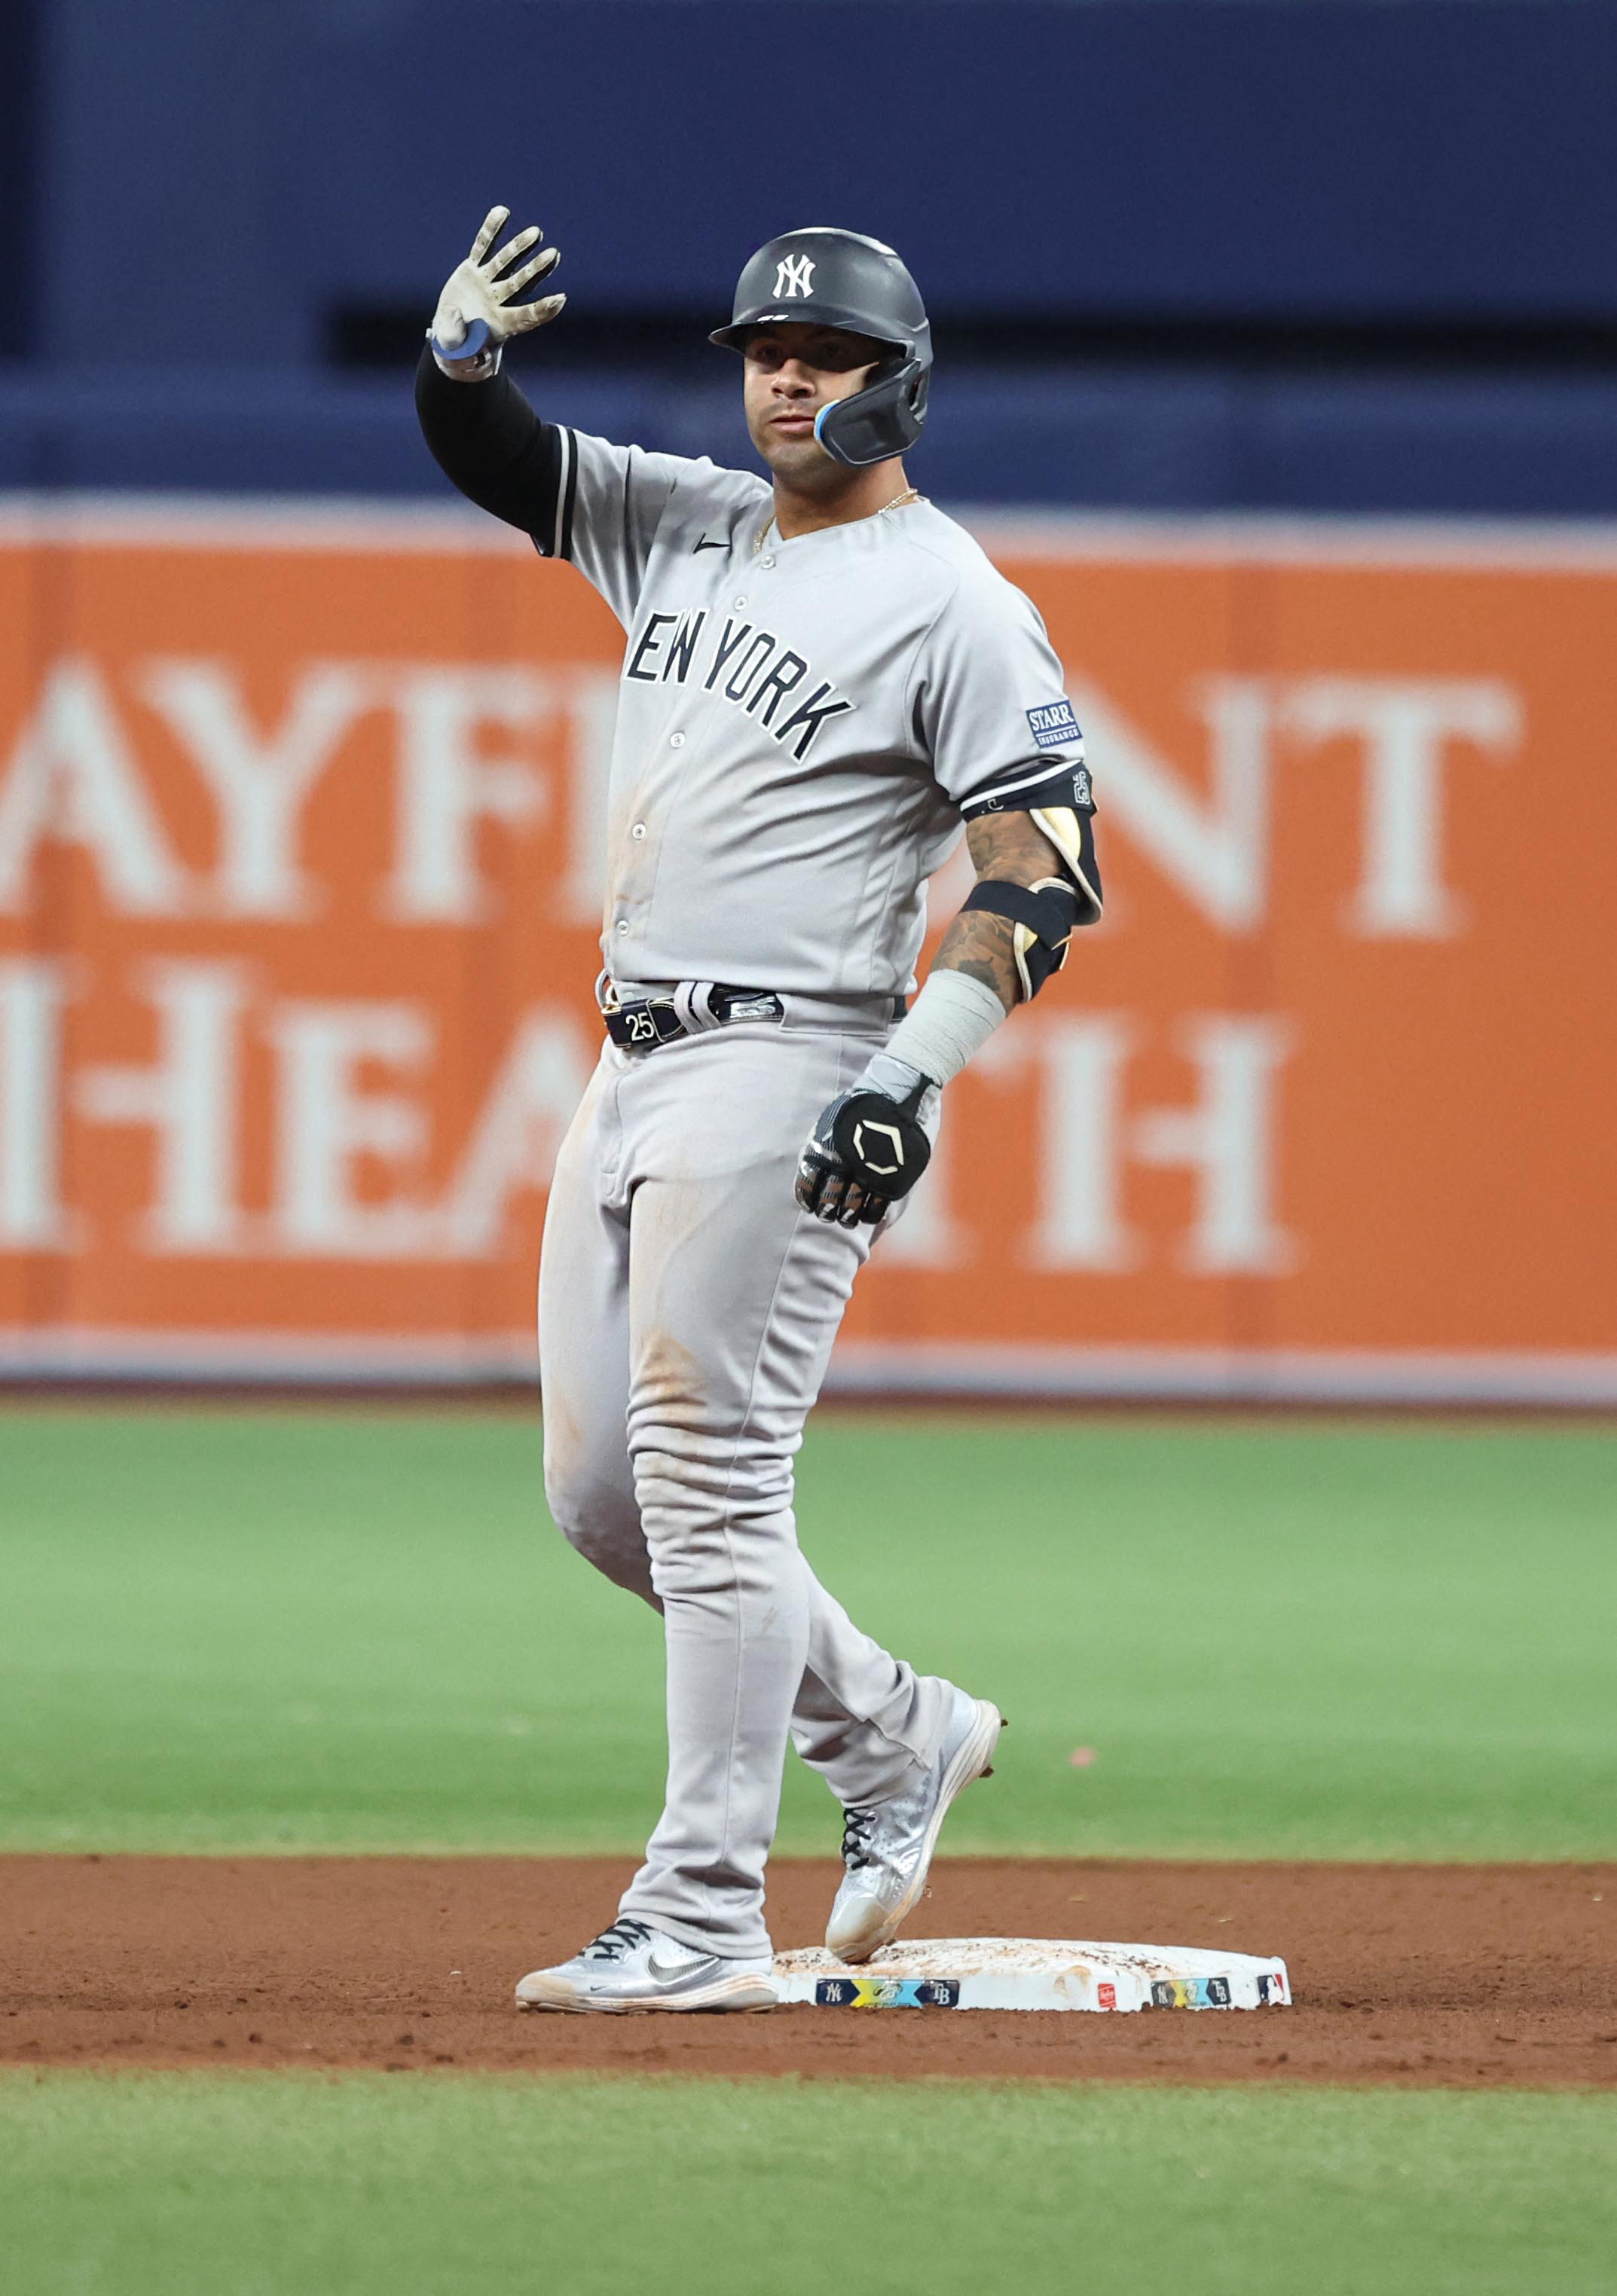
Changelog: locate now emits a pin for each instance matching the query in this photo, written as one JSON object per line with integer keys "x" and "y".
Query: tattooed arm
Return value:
{"x": 872, "y": 1144}
{"x": 1008, "y": 847}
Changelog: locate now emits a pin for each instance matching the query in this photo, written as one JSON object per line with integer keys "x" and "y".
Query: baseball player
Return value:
{"x": 823, "y": 677}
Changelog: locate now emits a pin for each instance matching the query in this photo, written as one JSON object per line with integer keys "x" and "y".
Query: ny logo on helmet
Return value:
{"x": 794, "y": 276}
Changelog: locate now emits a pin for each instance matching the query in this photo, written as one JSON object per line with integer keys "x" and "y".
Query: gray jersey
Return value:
{"x": 802, "y": 726}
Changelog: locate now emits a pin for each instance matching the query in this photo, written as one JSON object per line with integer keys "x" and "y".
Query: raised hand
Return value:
{"x": 483, "y": 289}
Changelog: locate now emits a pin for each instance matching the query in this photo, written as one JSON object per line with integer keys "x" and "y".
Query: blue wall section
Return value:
{"x": 1259, "y": 156}
{"x": 222, "y": 174}
{"x": 209, "y": 183}
{"x": 1145, "y": 441}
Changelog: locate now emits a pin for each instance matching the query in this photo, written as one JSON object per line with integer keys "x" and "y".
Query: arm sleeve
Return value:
{"x": 486, "y": 441}
{"x": 990, "y": 708}
{"x": 583, "y": 499}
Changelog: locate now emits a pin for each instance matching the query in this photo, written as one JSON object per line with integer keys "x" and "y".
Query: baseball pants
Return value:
{"x": 687, "y": 1311}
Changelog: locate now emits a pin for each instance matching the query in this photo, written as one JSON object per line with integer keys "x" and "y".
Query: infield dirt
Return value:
{"x": 1457, "y": 1976}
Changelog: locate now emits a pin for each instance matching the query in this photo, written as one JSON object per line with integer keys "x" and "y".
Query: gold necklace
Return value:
{"x": 899, "y": 502}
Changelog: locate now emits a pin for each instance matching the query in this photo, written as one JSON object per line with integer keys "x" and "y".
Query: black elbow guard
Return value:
{"x": 1043, "y": 914}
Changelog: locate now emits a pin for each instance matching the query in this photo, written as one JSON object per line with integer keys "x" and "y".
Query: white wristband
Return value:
{"x": 952, "y": 1018}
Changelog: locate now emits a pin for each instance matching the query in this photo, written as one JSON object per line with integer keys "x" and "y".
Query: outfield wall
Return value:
{"x": 300, "y": 819}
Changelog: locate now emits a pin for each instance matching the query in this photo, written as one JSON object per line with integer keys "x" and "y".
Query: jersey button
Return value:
{"x": 675, "y": 740}
{"x": 740, "y": 606}
{"x": 766, "y": 561}
{"x": 638, "y": 830}
{"x": 623, "y": 924}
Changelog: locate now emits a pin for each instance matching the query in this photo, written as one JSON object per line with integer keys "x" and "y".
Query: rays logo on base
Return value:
{"x": 887, "y": 1992}
{"x": 1190, "y": 1993}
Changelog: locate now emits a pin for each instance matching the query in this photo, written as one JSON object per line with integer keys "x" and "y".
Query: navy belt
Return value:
{"x": 637, "y": 1023}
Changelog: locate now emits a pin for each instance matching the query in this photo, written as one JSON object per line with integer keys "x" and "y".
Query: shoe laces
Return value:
{"x": 857, "y": 1824}
{"x": 626, "y": 1936}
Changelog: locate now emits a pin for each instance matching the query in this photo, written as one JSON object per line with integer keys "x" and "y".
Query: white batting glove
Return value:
{"x": 477, "y": 312}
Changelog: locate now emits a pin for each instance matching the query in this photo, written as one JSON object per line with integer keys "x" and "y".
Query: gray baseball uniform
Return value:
{"x": 802, "y": 726}
{"x": 799, "y": 726}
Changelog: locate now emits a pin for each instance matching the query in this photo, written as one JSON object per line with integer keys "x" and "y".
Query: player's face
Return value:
{"x": 792, "y": 371}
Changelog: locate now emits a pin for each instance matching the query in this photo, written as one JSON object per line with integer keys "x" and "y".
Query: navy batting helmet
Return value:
{"x": 833, "y": 278}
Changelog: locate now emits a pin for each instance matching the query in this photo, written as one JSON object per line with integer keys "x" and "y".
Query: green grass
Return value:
{"x": 268, "y": 1629}
{"x": 266, "y": 2186}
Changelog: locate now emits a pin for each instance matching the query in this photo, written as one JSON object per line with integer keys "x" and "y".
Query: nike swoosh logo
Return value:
{"x": 705, "y": 544}
{"x": 654, "y": 1968}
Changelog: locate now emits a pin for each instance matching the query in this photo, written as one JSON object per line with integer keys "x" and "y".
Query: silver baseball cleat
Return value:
{"x": 887, "y": 1848}
{"x": 632, "y": 1967}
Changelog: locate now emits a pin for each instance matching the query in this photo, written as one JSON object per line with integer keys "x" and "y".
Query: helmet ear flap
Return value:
{"x": 879, "y": 422}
